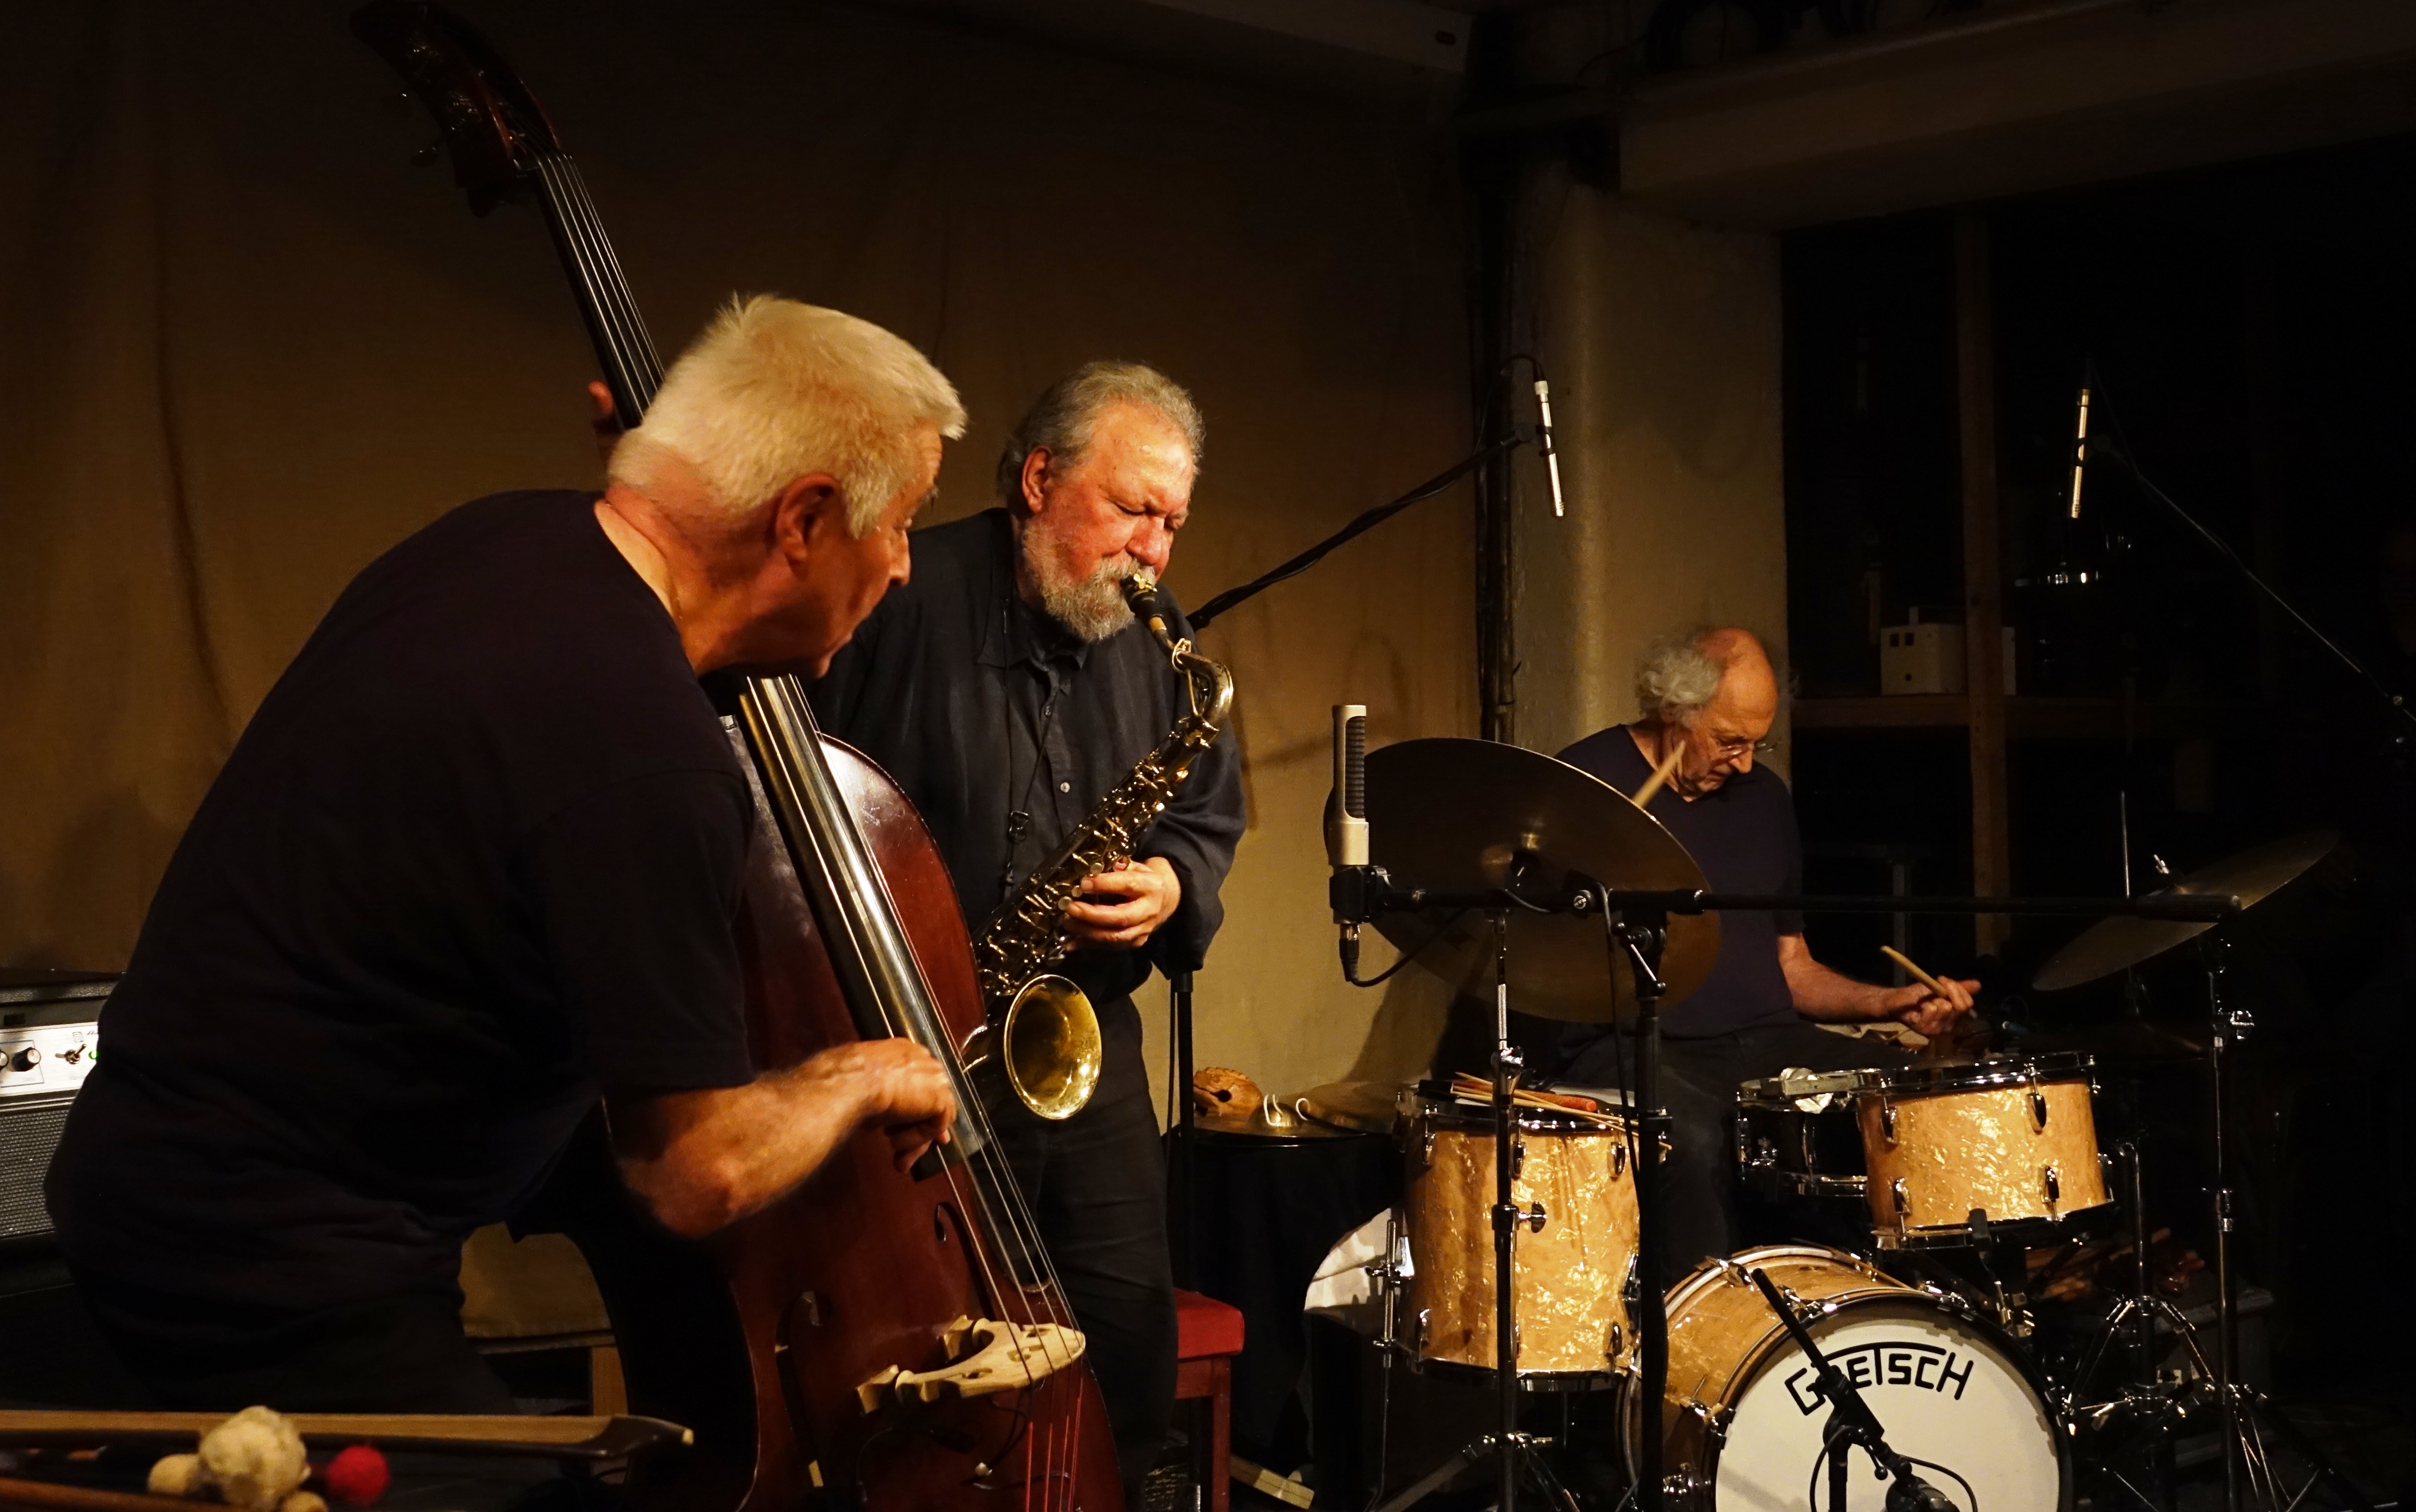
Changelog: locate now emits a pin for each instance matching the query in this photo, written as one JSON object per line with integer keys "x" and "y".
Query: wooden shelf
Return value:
{"x": 2026, "y": 717}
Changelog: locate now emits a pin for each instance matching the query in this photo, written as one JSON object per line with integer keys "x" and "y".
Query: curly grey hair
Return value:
{"x": 1676, "y": 679}
{"x": 1061, "y": 420}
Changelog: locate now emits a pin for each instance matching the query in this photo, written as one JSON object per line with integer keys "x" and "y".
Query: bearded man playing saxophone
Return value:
{"x": 1007, "y": 688}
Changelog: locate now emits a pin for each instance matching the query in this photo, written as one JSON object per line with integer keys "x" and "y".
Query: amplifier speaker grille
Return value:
{"x": 29, "y": 1135}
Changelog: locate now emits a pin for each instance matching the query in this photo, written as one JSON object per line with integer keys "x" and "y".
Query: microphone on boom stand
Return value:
{"x": 1346, "y": 831}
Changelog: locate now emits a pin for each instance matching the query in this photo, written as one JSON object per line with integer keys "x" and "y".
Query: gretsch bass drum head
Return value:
{"x": 1742, "y": 1413}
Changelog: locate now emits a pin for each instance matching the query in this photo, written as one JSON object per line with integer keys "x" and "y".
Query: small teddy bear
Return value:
{"x": 253, "y": 1461}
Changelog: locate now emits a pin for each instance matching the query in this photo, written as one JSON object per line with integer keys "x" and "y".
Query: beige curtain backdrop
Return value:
{"x": 244, "y": 348}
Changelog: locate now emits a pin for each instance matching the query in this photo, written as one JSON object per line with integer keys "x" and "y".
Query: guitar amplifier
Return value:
{"x": 49, "y": 1036}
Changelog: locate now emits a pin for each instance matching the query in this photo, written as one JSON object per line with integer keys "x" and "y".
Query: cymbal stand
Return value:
{"x": 2247, "y": 1467}
{"x": 1515, "y": 1455}
{"x": 1641, "y": 931}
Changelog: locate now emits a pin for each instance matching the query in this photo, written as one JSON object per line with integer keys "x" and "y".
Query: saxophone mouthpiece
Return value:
{"x": 1140, "y": 592}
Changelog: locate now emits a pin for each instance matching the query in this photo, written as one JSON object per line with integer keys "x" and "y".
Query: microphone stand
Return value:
{"x": 1360, "y": 524}
{"x": 2121, "y": 456}
{"x": 1851, "y": 1423}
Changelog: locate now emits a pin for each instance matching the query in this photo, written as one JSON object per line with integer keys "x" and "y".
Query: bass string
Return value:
{"x": 641, "y": 367}
{"x": 580, "y": 237}
{"x": 654, "y": 364}
{"x": 1042, "y": 1424}
{"x": 644, "y": 368}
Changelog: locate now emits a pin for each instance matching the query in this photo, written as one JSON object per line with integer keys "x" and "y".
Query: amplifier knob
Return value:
{"x": 26, "y": 1059}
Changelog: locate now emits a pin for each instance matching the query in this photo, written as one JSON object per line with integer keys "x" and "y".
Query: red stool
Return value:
{"x": 1209, "y": 1335}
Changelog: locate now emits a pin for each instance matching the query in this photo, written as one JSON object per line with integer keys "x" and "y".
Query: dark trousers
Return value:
{"x": 1703, "y": 1215}
{"x": 397, "y": 1355}
{"x": 1096, "y": 1183}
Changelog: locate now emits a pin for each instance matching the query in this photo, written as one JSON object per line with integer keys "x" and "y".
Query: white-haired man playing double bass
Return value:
{"x": 474, "y": 865}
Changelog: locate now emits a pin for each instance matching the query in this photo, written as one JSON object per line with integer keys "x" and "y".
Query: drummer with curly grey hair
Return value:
{"x": 1706, "y": 701}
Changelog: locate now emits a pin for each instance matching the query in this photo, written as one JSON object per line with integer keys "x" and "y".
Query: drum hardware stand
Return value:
{"x": 1641, "y": 932}
{"x": 1852, "y": 1424}
{"x": 2245, "y": 1410}
{"x": 1514, "y": 1453}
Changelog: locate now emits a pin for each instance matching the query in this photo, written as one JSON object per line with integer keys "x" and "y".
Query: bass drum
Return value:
{"x": 1743, "y": 1414}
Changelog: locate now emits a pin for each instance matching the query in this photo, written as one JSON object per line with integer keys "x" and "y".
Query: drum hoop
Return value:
{"x": 1917, "y": 1080}
{"x": 1446, "y": 1113}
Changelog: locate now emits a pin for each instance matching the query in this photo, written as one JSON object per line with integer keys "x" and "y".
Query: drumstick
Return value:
{"x": 1468, "y": 1084}
{"x": 1659, "y": 780}
{"x": 1917, "y": 972}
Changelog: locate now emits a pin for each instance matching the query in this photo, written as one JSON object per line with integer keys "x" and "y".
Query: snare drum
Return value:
{"x": 1795, "y": 1135}
{"x": 1568, "y": 1279}
{"x": 1742, "y": 1415}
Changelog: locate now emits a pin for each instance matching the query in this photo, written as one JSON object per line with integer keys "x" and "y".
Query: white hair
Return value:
{"x": 1676, "y": 679}
{"x": 775, "y": 390}
{"x": 1061, "y": 420}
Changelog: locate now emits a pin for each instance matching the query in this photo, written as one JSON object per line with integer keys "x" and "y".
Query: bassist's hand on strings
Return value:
{"x": 1123, "y": 908}
{"x": 705, "y": 1158}
{"x": 906, "y": 1091}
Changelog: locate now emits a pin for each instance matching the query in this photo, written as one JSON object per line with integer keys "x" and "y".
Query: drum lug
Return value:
{"x": 1518, "y": 1158}
{"x": 1618, "y": 1340}
{"x": 2054, "y": 1187}
{"x": 1426, "y": 1145}
{"x": 1887, "y": 1120}
{"x": 1896, "y": 1192}
{"x": 1418, "y": 1331}
{"x": 1631, "y": 1289}
{"x": 2038, "y": 1100}
{"x": 1619, "y": 1160}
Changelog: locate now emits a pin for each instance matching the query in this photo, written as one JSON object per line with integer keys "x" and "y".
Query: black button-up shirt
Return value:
{"x": 1005, "y": 730}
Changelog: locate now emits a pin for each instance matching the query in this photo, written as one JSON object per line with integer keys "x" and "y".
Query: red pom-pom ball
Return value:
{"x": 358, "y": 1475}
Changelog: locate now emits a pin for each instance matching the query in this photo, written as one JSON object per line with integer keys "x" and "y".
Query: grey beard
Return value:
{"x": 1093, "y": 608}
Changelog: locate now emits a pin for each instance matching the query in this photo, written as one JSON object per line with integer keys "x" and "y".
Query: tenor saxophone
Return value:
{"x": 1044, "y": 1029}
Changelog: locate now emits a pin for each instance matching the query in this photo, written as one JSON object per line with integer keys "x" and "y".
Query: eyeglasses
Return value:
{"x": 1733, "y": 746}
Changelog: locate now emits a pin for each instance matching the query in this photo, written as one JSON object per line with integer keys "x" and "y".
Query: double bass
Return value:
{"x": 875, "y": 1339}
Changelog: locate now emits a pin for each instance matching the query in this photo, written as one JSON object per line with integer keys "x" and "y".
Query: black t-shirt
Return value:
{"x": 1743, "y": 835}
{"x": 476, "y": 858}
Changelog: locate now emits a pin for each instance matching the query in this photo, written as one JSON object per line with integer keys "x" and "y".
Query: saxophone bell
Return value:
{"x": 1050, "y": 1049}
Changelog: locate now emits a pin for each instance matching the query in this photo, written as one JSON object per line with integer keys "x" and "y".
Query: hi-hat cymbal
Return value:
{"x": 2113, "y": 944}
{"x": 1463, "y": 816}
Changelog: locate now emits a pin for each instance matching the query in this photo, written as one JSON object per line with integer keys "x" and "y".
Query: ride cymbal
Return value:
{"x": 1465, "y": 816}
{"x": 2114, "y": 945}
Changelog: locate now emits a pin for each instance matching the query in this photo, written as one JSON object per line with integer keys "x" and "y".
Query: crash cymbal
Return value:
{"x": 1462, "y": 816}
{"x": 2113, "y": 944}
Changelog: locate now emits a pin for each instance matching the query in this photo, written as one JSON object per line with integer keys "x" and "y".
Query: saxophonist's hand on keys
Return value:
{"x": 1123, "y": 908}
